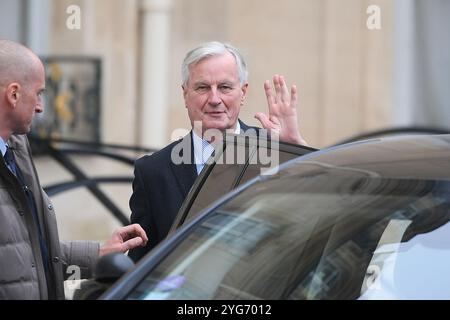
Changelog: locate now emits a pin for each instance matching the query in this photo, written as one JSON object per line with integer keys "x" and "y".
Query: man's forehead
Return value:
{"x": 209, "y": 73}
{"x": 225, "y": 58}
{"x": 212, "y": 81}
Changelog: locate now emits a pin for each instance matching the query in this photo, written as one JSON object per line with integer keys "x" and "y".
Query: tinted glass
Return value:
{"x": 324, "y": 234}
{"x": 243, "y": 159}
{"x": 254, "y": 170}
{"x": 223, "y": 176}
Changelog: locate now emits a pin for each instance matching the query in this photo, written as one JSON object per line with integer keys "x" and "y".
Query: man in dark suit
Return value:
{"x": 214, "y": 89}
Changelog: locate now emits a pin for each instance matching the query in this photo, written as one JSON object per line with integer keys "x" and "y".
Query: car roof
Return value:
{"x": 401, "y": 157}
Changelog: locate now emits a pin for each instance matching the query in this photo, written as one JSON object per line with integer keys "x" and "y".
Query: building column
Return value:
{"x": 154, "y": 72}
{"x": 404, "y": 61}
{"x": 38, "y": 17}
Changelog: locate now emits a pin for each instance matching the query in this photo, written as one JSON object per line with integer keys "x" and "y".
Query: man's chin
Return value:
{"x": 26, "y": 130}
{"x": 217, "y": 125}
{"x": 22, "y": 131}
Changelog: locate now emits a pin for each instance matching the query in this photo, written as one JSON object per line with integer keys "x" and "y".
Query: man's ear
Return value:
{"x": 13, "y": 93}
{"x": 244, "y": 89}
{"x": 184, "y": 94}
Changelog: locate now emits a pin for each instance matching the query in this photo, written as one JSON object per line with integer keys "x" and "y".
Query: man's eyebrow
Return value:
{"x": 201, "y": 83}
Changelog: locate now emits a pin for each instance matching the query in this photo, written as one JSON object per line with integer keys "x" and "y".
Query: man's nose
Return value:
{"x": 214, "y": 97}
{"x": 39, "y": 108}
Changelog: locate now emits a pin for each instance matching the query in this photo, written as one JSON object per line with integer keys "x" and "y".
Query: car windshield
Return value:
{"x": 315, "y": 232}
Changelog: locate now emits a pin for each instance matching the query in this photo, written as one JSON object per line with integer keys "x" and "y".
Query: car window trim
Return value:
{"x": 234, "y": 139}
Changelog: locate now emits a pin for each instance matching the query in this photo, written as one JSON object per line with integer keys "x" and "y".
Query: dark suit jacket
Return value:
{"x": 159, "y": 189}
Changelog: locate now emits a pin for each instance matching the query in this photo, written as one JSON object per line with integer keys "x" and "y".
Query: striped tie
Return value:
{"x": 207, "y": 150}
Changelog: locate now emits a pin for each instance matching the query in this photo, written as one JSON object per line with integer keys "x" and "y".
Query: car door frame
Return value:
{"x": 253, "y": 143}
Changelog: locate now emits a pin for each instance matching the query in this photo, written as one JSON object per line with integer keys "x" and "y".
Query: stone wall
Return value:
{"x": 342, "y": 69}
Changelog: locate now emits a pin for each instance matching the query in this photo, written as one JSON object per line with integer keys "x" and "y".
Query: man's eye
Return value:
{"x": 225, "y": 88}
{"x": 201, "y": 88}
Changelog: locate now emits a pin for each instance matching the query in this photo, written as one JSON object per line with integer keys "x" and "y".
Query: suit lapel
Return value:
{"x": 186, "y": 172}
{"x": 245, "y": 127}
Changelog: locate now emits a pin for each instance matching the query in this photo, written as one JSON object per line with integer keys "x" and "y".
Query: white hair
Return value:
{"x": 211, "y": 49}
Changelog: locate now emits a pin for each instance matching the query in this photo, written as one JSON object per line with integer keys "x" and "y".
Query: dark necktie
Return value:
{"x": 9, "y": 160}
{"x": 11, "y": 163}
{"x": 207, "y": 151}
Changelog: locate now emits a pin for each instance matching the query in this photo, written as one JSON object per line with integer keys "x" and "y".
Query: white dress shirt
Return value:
{"x": 203, "y": 149}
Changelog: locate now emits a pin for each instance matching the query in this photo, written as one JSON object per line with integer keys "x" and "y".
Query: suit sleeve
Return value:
{"x": 141, "y": 213}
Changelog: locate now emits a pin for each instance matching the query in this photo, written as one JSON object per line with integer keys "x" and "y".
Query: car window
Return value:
{"x": 242, "y": 158}
{"x": 285, "y": 154}
{"x": 323, "y": 233}
{"x": 214, "y": 181}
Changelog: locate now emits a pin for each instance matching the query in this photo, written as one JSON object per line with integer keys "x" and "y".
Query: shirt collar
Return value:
{"x": 202, "y": 148}
{"x": 2, "y": 146}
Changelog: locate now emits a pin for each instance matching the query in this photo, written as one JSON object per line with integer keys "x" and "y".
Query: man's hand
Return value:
{"x": 124, "y": 239}
{"x": 282, "y": 120}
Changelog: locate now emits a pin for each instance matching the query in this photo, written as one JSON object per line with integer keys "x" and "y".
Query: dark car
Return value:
{"x": 236, "y": 160}
{"x": 365, "y": 220}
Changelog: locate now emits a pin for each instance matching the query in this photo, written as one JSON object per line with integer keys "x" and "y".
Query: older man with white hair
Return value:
{"x": 214, "y": 84}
